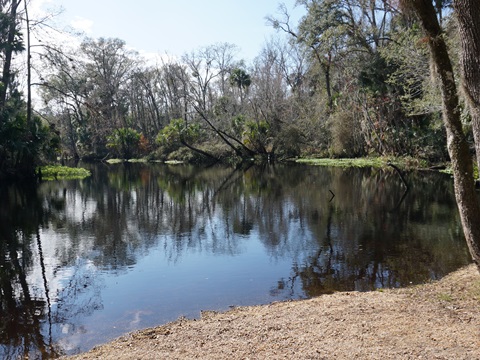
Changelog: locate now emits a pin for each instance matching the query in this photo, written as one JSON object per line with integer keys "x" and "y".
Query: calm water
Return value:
{"x": 134, "y": 246}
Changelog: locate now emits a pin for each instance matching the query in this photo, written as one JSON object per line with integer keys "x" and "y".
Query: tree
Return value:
{"x": 348, "y": 73}
{"x": 124, "y": 142}
{"x": 270, "y": 89}
{"x": 311, "y": 34}
{"x": 24, "y": 139}
{"x": 225, "y": 62}
{"x": 178, "y": 132}
{"x": 10, "y": 43}
{"x": 174, "y": 91}
{"x": 64, "y": 92}
{"x": 240, "y": 79}
{"x": 203, "y": 94}
{"x": 468, "y": 16}
{"x": 146, "y": 108}
{"x": 86, "y": 92}
{"x": 108, "y": 65}
{"x": 458, "y": 148}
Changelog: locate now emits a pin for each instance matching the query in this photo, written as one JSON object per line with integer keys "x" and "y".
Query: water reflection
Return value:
{"x": 137, "y": 245}
{"x": 25, "y": 307}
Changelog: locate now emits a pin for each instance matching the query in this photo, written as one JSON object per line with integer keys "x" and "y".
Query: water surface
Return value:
{"x": 134, "y": 246}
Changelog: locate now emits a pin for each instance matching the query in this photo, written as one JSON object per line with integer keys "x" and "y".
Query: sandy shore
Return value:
{"x": 439, "y": 320}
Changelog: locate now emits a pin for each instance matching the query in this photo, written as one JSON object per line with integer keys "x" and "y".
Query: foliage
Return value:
{"x": 345, "y": 142}
{"x": 125, "y": 142}
{"x": 409, "y": 55}
{"x": 23, "y": 144}
{"x": 177, "y": 133}
{"x": 343, "y": 84}
{"x": 25, "y": 140}
{"x": 240, "y": 79}
{"x": 288, "y": 143}
{"x": 183, "y": 155}
{"x": 256, "y": 135}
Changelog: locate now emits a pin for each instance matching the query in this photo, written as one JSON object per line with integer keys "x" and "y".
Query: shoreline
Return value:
{"x": 439, "y": 319}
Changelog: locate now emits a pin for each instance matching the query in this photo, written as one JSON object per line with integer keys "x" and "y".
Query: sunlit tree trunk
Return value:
{"x": 458, "y": 149}
{"x": 468, "y": 15}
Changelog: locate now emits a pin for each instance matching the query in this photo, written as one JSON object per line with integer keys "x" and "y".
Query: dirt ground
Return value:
{"x": 439, "y": 320}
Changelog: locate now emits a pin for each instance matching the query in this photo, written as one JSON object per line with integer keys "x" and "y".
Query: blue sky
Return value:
{"x": 175, "y": 26}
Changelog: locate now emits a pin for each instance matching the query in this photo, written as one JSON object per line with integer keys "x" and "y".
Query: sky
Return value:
{"x": 173, "y": 27}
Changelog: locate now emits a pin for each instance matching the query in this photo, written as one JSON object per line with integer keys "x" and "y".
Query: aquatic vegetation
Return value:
{"x": 55, "y": 172}
{"x": 360, "y": 162}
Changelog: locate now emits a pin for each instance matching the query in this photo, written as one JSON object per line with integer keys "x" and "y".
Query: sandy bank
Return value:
{"x": 439, "y": 320}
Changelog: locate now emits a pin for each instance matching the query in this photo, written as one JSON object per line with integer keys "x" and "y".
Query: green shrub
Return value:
{"x": 125, "y": 142}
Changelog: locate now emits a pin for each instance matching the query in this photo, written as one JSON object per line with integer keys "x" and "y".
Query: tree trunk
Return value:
{"x": 468, "y": 15}
{"x": 29, "y": 70}
{"x": 458, "y": 149}
{"x": 9, "y": 49}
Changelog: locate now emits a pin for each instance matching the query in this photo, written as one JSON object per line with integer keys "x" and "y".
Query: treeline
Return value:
{"x": 352, "y": 78}
{"x": 25, "y": 139}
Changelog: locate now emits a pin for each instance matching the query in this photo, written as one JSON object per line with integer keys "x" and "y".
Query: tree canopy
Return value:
{"x": 351, "y": 78}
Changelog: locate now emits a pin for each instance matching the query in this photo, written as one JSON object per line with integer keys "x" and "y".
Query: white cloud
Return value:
{"x": 82, "y": 24}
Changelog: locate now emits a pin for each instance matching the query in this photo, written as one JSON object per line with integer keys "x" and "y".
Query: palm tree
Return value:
{"x": 240, "y": 79}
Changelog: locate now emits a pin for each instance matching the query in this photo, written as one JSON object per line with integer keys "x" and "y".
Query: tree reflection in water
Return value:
{"x": 23, "y": 310}
{"x": 62, "y": 239}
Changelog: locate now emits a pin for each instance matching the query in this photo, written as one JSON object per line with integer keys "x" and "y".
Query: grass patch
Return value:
{"x": 54, "y": 172}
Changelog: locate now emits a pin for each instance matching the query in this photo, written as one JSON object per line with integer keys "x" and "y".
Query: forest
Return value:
{"x": 352, "y": 78}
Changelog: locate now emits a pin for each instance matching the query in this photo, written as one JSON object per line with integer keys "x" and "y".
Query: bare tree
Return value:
{"x": 270, "y": 90}
{"x": 203, "y": 66}
{"x": 108, "y": 65}
{"x": 225, "y": 62}
{"x": 64, "y": 90}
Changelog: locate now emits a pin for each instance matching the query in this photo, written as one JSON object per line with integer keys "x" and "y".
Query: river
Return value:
{"x": 137, "y": 245}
